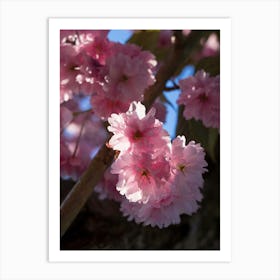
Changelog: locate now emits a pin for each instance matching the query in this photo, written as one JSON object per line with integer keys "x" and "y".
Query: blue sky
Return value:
{"x": 122, "y": 36}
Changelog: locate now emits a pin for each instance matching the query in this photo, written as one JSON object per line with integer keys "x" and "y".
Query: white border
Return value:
{"x": 24, "y": 139}
{"x": 222, "y": 255}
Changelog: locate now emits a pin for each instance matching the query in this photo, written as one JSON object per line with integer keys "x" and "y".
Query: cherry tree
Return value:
{"x": 117, "y": 161}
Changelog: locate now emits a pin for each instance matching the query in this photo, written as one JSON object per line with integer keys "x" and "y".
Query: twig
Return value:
{"x": 171, "y": 88}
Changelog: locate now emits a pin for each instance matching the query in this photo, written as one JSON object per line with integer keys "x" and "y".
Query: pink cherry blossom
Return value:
{"x": 166, "y": 211}
{"x": 211, "y": 46}
{"x": 82, "y": 55}
{"x": 179, "y": 194}
{"x": 78, "y": 73}
{"x": 136, "y": 130}
{"x": 82, "y": 133}
{"x": 104, "y": 105}
{"x": 81, "y": 37}
{"x": 162, "y": 211}
{"x": 99, "y": 49}
{"x": 187, "y": 162}
{"x": 69, "y": 37}
{"x": 128, "y": 72}
{"x": 127, "y": 77}
{"x": 140, "y": 175}
{"x": 201, "y": 98}
{"x": 90, "y": 35}
{"x": 73, "y": 162}
{"x": 70, "y": 66}
{"x": 106, "y": 188}
{"x": 113, "y": 74}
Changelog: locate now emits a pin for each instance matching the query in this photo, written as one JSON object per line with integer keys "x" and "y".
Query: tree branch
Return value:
{"x": 82, "y": 190}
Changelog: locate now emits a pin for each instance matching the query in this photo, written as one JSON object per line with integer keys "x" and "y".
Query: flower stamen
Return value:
{"x": 181, "y": 167}
{"x": 203, "y": 97}
{"x": 137, "y": 135}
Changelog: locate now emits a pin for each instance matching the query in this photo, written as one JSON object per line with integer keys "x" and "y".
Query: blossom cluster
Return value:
{"x": 81, "y": 135}
{"x": 158, "y": 179}
{"x": 113, "y": 74}
{"x": 201, "y": 98}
